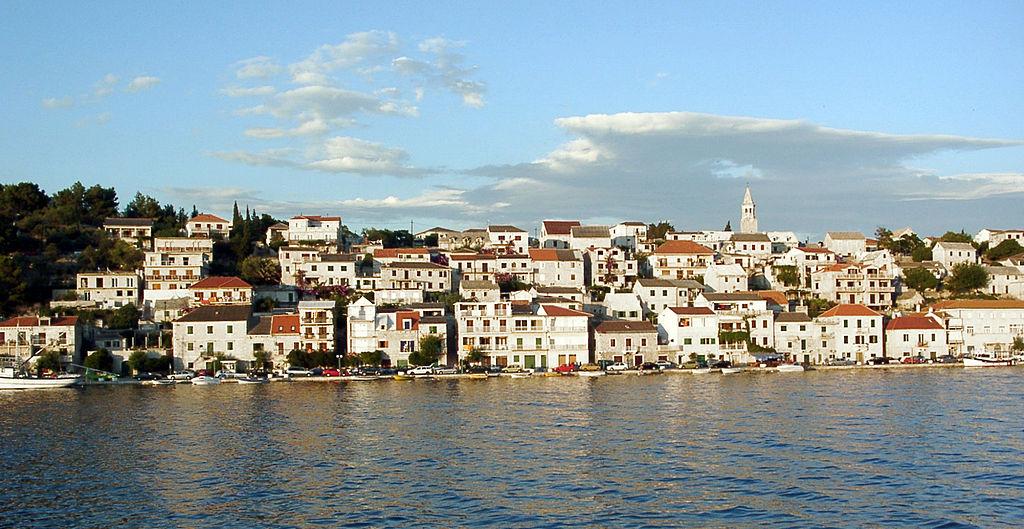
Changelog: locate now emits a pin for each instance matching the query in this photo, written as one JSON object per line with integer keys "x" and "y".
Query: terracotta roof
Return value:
{"x": 850, "y": 309}
{"x": 217, "y": 313}
{"x": 128, "y": 221}
{"x": 395, "y": 252}
{"x": 978, "y": 304}
{"x": 33, "y": 321}
{"x": 683, "y": 247}
{"x": 620, "y": 326}
{"x": 557, "y": 290}
{"x": 692, "y": 311}
{"x": 478, "y": 285}
{"x": 413, "y": 264}
{"x": 732, "y": 296}
{"x": 206, "y": 217}
{"x": 779, "y": 298}
{"x": 559, "y": 227}
{"x": 807, "y": 249}
{"x": 538, "y": 254}
{"x": 555, "y": 310}
{"x": 846, "y": 236}
{"x": 912, "y": 322}
{"x": 750, "y": 237}
{"x": 285, "y": 324}
{"x": 221, "y": 282}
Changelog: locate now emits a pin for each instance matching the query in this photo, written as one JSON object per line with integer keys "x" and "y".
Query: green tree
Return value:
{"x": 476, "y": 355}
{"x": 137, "y": 360}
{"x": 966, "y": 277}
{"x": 261, "y": 359}
{"x": 126, "y": 317}
{"x": 430, "y": 241}
{"x": 371, "y": 358}
{"x": 429, "y": 352}
{"x": 100, "y": 359}
{"x": 787, "y": 275}
{"x": 48, "y": 360}
{"x": 13, "y": 283}
{"x": 658, "y": 231}
{"x": 260, "y": 270}
{"x": 816, "y": 306}
{"x": 1018, "y": 344}
{"x": 921, "y": 253}
{"x": 920, "y": 279}
{"x": 298, "y": 358}
{"x": 952, "y": 236}
{"x": 1003, "y": 250}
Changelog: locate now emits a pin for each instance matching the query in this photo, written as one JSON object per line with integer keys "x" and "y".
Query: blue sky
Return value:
{"x": 841, "y": 116}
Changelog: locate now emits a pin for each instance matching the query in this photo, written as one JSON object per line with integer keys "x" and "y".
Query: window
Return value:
{"x": 231, "y": 346}
{"x": 188, "y": 330}
{"x": 782, "y": 328}
{"x": 209, "y": 329}
{"x": 231, "y": 329}
{"x": 612, "y": 342}
{"x": 643, "y": 342}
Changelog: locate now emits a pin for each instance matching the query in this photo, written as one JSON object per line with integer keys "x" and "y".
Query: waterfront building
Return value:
{"x": 210, "y": 332}
{"x": 1005, "y": 281}
{"x": 317, "y": 325}
{"x": 688, "y": 332}
{"x": 851, "y": 332}
{"x": 395, "y": 331}
{"x": 741, "y": 312}
{"x": 630, "y": 342}
{"x": 856, "y": 283}
{"x": 915, "y": 335}
{"x": 977, "y": 326}
{"x": 795, "y": 337}
{"x": 109, "y": 290}
{"x": 22, "y": 336}
{"x": 524, "y": 334}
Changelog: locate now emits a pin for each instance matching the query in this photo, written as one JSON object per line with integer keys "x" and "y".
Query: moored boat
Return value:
{"x": 986, "y": 361}
{"x": 401, "y": 376}
{"x": 478, "y": 376}
{"x": 790, "y": 368}
{"x": 731, "y": 370}
{"x": 522, "y": 374}
{"x": 701, "y": 371}
{"x": 253, "y": 380}
{"x": 10, "y": 380}
{"x": 591, "y": 373}
{"x": 205, "y": 381}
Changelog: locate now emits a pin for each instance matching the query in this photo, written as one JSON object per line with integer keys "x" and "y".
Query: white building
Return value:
{"x": 583, "y": 237}
{"x": 508, "y": 239}
{"x": 556, "y": 233}
{"x": 487, "y": 291}
{"x": 219, "y": 290}
{"x": 110, "y": 290}
{"x": 395, "y": 331}
{"x": 845, "y": 243}
{"x": 856, "y": 283}
{"x": 855, "y": 332}
{"x": 131, "y": 230}
{"x": 313, "y": 228}
{"x": 748, "y": 214}
{"x": 21, "y": 336}
{"x": 618, "y": 306}
{"x": 1005, "y": 281}
{"x": 557, "y": 268}
{"x": 207, "y": 332}
{"x": 510, "y": 333}
{"x": 630, "y": 342}
{"x": 209, "y": 226}
{"x": 689, "y": 331}
{"x": 994, "y": 237}
{"x": 324, "y": 269}
{"x": 658, "y": 294}
{"x": 290, "y": 259}
{"x": 725, "y": 278}
{"x": 807, "y": 260}
{"x": 611, "y": 267}
{"x": 915, "y": 336}
{"x": 796, "y": 337}
{"x": 978, "y": 326}
{"x": 680, "y": 260}
{"x": 175, "y": 264}
{"x": 950, "y": 254}
{"x": 628, "y": 234}
{"x": 316, "y": 321}
{"x": 430, "y": 277}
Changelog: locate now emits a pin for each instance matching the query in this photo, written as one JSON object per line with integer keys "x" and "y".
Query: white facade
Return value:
{"x": 517, "y": 334}
{"x": 628, "y": 234}
{"x": 630, "y": 342}
{"x": 977, "y": 326}
{"x": 748, "y": 214}
{"x": 110, "y": 290}
{"x": 680, "y": 260}
{"x": 508, "y": 239}
{"x": 313, "y": 228}
{"x": 725, "y": 278}
{"x": 612, "y": 267}
{"x": 950, "y": 254}
{"x": 855, "y": 332}
{"x": 208, "y": 226}
{"x": 583, "y": 237}
{"x": 689, "y": 330}
{"x": 845, "y": 243}
{"x": 916, "y": 336}
{"x": 1005, "y": 281}
{"x": 557, "y": 268}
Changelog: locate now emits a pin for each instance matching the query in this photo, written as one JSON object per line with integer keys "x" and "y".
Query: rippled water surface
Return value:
{"x": 937, "y": 448}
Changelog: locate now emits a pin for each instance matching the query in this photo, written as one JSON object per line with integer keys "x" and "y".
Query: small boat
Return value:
{"x": 790, "y": 368}
{"x": 478, "y": 376}
{"x": 10, "y": 380}
{"x": 552, "y": 374}
{"x": 253, "y": 380}
{"x": 986, "y": 361}
{"x": 404, "y": 377}
{"x": 205, "y": 381}
{"x": 363, "y": 378}
{"x": 522, "y": 374}
{"x": 701, "y": 371}
{"x": 591, "y": 373}
{"x": 731, "y": 370}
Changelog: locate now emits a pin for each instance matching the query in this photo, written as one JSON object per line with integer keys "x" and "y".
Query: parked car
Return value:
{"x": 649, "y": 366}
{"x": 946, "y": 359}
{"x": 148, "y": 376}
{"x": 421, "y": 370}
{"x": 913, "y": 360}
{"x": 565, "y": 368}
{"x": 296, "y": 371}
{"x": 182, "y": 375}
{"x": 617, "y": 366}
{"x": 331, "y": 372}
{"x": 494, "y": 369}
{"x": 665, "y": 364}
{"x": 444, "y": 370}
{"x": 514, "y": 368}
{"x": 387, "y": 372}
{"x": 840, "y": 362}
{"x": 720, "y": 364}
{"x": 477, "y": 369}
{"x": 878, "y": 361}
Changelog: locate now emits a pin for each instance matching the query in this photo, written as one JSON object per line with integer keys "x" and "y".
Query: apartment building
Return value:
{"x": 109, "y": 290}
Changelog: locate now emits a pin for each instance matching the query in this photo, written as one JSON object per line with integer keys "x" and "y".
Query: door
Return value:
{"x": 561, "y": 360}
{"x": 572, "y": 359}
{"x": 638, "y": 360}
{"x": 529, "y": 361}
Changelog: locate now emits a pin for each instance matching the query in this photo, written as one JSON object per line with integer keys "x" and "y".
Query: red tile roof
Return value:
{"x": 978, "y": 304}
{"x": 683, "y": 247}
{"x": 912, "y": 322}
{"x": 555, "y": 310}
{"x": 285, "y": 324}
{"x": 559, "y": 227}
{"x": 548, "y": 254}
{"x": 206, "y": 217}
{"x": 395, "y": 252}
{"x": 814, "y": 250}
{"x": 850, "y": 309}
{"x": 32, "y": 321}
{"x": 221, "y": 282}
{"x": 779, "y": 298}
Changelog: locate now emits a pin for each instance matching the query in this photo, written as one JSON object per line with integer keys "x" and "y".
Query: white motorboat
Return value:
{"x": 253, "y": 380}
{"x": 790, "y": 368}
{"x": 731, "y": 370}
{"x": 523, "y": 374}
{"x": 590, "y": 373}
{"x": 9, "y": 379}
{"x": 701, "y": 371}
{"x": 986, "y": 361}
{"x": 205, "y": 381}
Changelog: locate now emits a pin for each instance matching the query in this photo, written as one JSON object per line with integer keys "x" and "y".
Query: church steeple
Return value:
{"x": 748, "y": 214}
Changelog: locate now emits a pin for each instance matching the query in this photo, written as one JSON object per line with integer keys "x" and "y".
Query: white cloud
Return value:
{"x": 241, "y": 91}
{"x": 144, "y": 82}
{"x": 444, "y": 70}
{"x": 257, "y": 67}
{"x": 367, "y": 47}
{"x": 61, "y": 102}
{"x": 340, "y": 154}
{"x": 105, "y": 86}
{"x": 313, "y": 127}
{"x": 967, "y": 186}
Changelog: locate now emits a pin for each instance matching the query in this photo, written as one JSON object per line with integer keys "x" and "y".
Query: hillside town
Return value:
{"x": 310, "y": 293}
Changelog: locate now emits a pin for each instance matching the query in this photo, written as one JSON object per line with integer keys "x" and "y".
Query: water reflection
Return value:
{"x": 923, "y": 448}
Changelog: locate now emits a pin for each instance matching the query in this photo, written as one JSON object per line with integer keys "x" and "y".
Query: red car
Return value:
{"x": 565, "y": 368}
{"x": 913, "y": 360}
{"x": 331, "y": 372}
